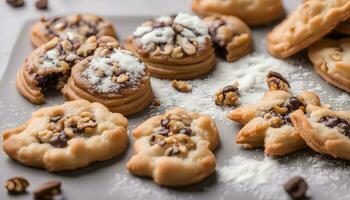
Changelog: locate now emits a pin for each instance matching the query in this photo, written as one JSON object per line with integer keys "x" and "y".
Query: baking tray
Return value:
{"x": 110, "y": 180}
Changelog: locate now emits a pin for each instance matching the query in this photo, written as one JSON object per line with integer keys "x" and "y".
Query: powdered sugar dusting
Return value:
{"x": 193, "y": 22}
{"x": 51, "y": 59}
{"x": 100, "y": 71}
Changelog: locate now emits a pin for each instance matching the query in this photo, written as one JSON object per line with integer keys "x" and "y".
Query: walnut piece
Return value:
{"x": 275, "y": 81}
{"x": 228, "y": 96}
{"x": 181, "y": 86}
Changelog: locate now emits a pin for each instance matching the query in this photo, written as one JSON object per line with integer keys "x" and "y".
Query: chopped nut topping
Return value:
{"x": 122, "y": 78}
{"x": 275, "y": 81}
{"x": 181, "y": 86}
{"x": 227, "y": 96}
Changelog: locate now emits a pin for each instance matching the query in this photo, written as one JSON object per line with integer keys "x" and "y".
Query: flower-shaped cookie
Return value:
{"x": 267, "y": 123}
{"x": 67, "y": 136}
{"x": 324, "y": 130}
{"x": 175, "y": 149}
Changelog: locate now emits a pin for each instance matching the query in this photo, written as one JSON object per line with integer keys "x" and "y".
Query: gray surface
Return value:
{"x": 97, "y": 180}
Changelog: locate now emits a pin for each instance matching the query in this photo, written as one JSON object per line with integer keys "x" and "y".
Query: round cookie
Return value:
{"x": 85, "y": 25}
{"x": 67, "y": 136}
{"x": 175, "y": 148}
{"x": 312, "y": 20}
{"x": 253, "y": 13}
{"x": 331, "y": 61}
{"x": 230, "y": 35}
{"x": 324, "y": 130}
{"x": 174, "y": 47}
{"x": 49, "y": 65}
{"x": 113, "y": 77}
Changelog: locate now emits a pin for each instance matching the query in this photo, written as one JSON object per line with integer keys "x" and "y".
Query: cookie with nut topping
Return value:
{"x": 113, "y": 77}
{"x": 267, "y": 124}
{"x": 49, "y": 66}
{"x": 67, "y": 136}
{"x": 85, "y": 25}
{"x": 174, "y": 47}
{"x": 175, "y": 149}
{"x": 324, "y": 130}
{"x": 275, "y": 81}
{"x": 253, "y": 12}
{"x": 231, "y": 36}
{"x": 312, "y": 20}
{"x": 331, "y": 61}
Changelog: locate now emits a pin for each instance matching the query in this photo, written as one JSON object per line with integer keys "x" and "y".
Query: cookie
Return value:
{"x": 267, "y": 123}
{"x": 67, "y": 136}
{"x": 230, "y": 35}
{"x": 85, "y": 25}
{"x": 174, "y": 47}
{"x": 253, "y": 13}
{"x": 332, "y": 62}
{"x": 343, "y": 27}
{"x": 49, "y": 66}
{"x": 113, "y": 77}
{"x": 324, "y": 130}
{"x": 175, "y": 149}
{"x": 312, "y": 20}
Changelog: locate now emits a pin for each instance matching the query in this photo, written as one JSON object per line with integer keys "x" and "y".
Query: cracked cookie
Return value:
{"x": 312, "y": 20}
{"x": 324, "y": 130}
{"x": 49, "y": 66}
{"x": 231, "y": 36}
{"x": 175, "y": 148}
{"x": 67, "y": 136}
{"x": 85, "y": 25}
{"x": 267, "y": 123}
{"x": 255, "y": 12}
{"x": 332, "y": 62}
{"x": 174, "y": 47}
{"x": 113, "y": 77}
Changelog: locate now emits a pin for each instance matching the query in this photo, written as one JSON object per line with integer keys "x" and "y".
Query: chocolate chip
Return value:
{"x": 186, "y": 131}
{"x": 164, "y": 122}
{"x": 48, "y": 190}
{"x": 342, "y": 124}
{"x": 152, "y": 139}
{"x": 41, "y": 4}
{"x": 161, "y": 143}
{"x": 295, "y": 102}
{"x": 59, "y": 141}
{"x": 296, "y": 187}
{"x": 15, "y": 3}
{"x": 229, "y": 88}
{"x": 278, "y": 76}
{"x": 173, "y": 151}
{"x": 16, "y": 185}
{"x": 164, "y": 132}
{"x": 55, "y": 119}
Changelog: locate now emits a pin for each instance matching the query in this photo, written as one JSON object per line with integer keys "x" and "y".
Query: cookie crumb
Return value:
{"x": 156, "y": 102}
{"x": 275, "y": 81}
{"x": 16, "y": 185}
{"x": 15, "y": 3}
{"x": 48, "y": 190}
{"x": 41, "y": 4}
{"x": 296, "y": 187}
{"x": 228, "y": 96}
{"x": 181, "y": 86}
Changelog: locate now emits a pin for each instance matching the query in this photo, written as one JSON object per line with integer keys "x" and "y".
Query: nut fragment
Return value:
{"x": 177, "y": 53}
{"x": 16, "y": 185}
{"x": 296, "y": 187}
{"x": 275, "y": 81}
{"x": 122, "y": 78}
{"x": 181, "y": 86}
{"x": 229, "y": 95}
{"x": 48, "y": 190}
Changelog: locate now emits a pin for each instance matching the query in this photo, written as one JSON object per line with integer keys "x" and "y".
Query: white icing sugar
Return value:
{"x": 127, "y": 61}
{"x": 158, "y": 35}
{"x": 51, "y": 59}
{"x": 165, "y": 19}
{"x": 133, "y": 67}
{"x": 142, "y": 30}
{"x": 192, "y": 22}
{"x": 71, "y": 35}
